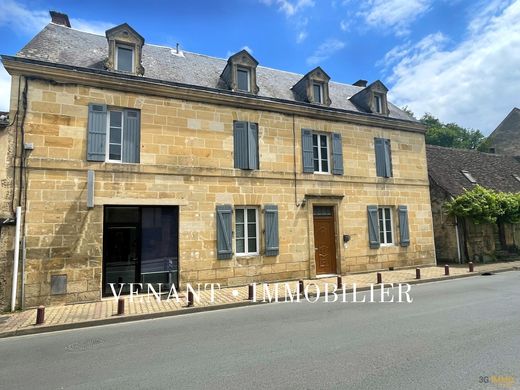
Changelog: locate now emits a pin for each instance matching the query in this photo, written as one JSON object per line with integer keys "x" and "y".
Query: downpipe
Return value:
{"x": 14, "y": 286}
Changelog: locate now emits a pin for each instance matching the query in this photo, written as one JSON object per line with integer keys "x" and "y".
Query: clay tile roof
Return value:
{"x": 493, "y": 171}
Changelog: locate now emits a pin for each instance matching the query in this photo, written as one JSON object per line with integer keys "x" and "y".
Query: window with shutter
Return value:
{"x": 113, "y": 135}
{"x": 383, "y": 157}
{"x": 132, "y": 136}
{"x": 322, "y": 153}
{"x": 224, "y": 232}
{"x": 271, "y": 230}
{"x": 245, "y": 144}
{"x": 97, "y": 132}
{"x": 373, "y": 227}
{"x": 337, "y": 154}
{"x": 404, "y": 228}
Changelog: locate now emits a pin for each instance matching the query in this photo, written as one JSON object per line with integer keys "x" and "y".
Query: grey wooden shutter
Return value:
{"x": 307, "y": 154}
{"x": 224, "y": 230}
{"x": 252, "y": 142}
{"x": 131, "y": 136}
{"x": 97, "y": 132}
{"x": 404, "y": 229}
{"x": 240, "y": 145}
{"x": 271, "y": 230}
{"x": 337, "y": 154}
{"x": 388, "y": 159}
{"x": 379, "y": 146}
{"x": 373, "y": 227}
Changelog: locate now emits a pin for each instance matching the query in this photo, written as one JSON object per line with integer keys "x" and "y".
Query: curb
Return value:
{"x": 189, "y": 310}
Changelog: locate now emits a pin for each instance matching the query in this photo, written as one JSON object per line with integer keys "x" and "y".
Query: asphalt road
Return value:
{"x": 454, "y": 333}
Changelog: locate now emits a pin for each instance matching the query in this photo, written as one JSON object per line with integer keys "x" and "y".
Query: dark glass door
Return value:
{"x": 140, "y": 245}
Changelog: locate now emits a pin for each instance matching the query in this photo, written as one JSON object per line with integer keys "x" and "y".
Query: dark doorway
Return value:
{"x": 324, "y": 240}
{"x": 140, "y": 245}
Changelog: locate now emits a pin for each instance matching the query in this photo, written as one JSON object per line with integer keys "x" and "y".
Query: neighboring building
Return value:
{"x": 451, "y": 172}
{"x": 155, "y": 164}
{"x": 505, "y": 139}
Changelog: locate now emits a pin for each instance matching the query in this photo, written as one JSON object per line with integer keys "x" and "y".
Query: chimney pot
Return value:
{"x": 361, "y": 83}
{"x": 59, "y": 18}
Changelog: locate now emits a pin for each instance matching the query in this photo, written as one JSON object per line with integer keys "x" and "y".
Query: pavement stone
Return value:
{"x": 105, "y": 311}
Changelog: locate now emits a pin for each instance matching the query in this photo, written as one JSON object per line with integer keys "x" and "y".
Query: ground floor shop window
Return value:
{"x": 140, "y": 245}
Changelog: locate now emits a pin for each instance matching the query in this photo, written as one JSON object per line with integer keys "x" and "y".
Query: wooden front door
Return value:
{"x": 324, "y": 240}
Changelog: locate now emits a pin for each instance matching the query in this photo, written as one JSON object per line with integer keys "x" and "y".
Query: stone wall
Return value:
{"x": 187, "y": 160}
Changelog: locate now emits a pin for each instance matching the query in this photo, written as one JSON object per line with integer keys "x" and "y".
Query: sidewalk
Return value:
{"x": 103, "y": 312}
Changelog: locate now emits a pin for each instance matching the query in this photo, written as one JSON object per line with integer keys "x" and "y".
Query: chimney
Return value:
{"x": 361, "y": 83}
{"x": 59, "y": 18}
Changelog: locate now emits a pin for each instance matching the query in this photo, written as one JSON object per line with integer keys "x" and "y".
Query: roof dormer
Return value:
{"x": 125, "y": 48}
{"x": 313, "y": 87}
{"x": 372, "y": 99}
{"x": 240, "y": 73}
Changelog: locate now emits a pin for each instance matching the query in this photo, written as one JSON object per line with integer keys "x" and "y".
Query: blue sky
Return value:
{"x": 457, "y": 59}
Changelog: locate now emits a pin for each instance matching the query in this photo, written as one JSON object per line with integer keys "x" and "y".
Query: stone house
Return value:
{"x": 451, "y": 172}
{"x": 505, "y": 139}
{"x": 141, "y": 163}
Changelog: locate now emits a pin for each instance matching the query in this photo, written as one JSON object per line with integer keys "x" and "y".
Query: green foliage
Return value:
{"x": 450, "y": 134}
{"x": 486, "y": 206}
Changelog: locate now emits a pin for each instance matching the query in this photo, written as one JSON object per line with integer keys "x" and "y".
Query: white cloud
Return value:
{"x": 325, "y": 50}
{"x": 302, "y": 35}
{"x": 27, "y": 22}
{"x": 344, "y": 25}
{"x": 393, "y": 15}
{"x": 5, "y": 88}
{"x": 24, "y": 21}
{"x": 473, "y": 83}
{"x": 246, "y": 48}
{"x": 289, "y": 8}
{"x": 292, "y": 10}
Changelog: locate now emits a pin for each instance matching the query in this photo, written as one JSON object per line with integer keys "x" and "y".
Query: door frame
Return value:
{"x": 333, "y": 201}
{"x": 139, "y": 240}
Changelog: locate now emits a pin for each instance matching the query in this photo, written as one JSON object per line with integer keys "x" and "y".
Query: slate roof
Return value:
{"x": 492, "y": 171}
{"x": 62, "y": 45}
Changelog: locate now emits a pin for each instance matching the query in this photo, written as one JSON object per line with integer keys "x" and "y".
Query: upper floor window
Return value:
{"x": 243, "y": 80}
{"x": 245, "y": 145}
{"x": 383, "y": 157}
{"x": 125, "y": 58}
{"x": 246, "y": 231}
{"x": 385, "y": 225}
{"x": 320, "y": 150}
{"x": 113, "y": 134}
{"x": 318, "y": 93}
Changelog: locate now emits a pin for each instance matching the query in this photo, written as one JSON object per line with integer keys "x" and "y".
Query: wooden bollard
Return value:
{"x": 339, "y": 283}
{"x": 190, "y": 298}
{"x": 379, "y": 278}
{"x": 417, "y": 273}
{"x": 40, "y": 315}
{"x": 471, "y": 267}
{"x": 446, "y": 270}
{"x": 250, "y": 292}
{"x": 301, "y": 287}
{"x": 120, "y": 306}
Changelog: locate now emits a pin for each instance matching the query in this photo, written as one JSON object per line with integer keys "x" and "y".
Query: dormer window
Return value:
{"x": 372, "y": 98}
{"x": 240, "y": 73}
{"x": 378, "y": 104}
{"x": 313, "y": 87}
{"x": 125, "y": 58}
{"x": 125, "y": 47}
{"x": 243, "y": 80}
{"x": 318, "y": 93}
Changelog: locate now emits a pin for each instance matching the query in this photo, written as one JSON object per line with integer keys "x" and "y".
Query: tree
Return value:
{"x": 450, "y": 135}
